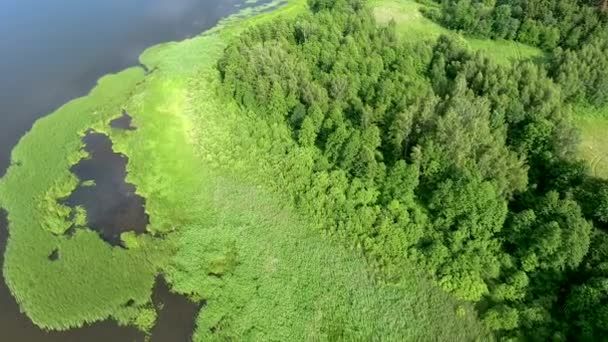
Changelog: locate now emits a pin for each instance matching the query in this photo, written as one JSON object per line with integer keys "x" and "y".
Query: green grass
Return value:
{"x": 593, "y": 147}
{"x": 214, "y": 179}
{"x": 280, "y": 281}
{"x": 90, "y": 280}
{"x": 506, "y": 51}
{"x": 413, "y": 26}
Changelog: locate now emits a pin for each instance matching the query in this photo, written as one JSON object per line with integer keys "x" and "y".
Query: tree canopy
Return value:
{"x": 434, "y": 154}
{"x": 573, "y": 32}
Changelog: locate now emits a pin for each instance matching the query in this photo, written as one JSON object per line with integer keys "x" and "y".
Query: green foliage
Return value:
{"x": 572, "y": 31}
{"x": 543, "y": 23}
{"x": 551, "y": 236}
{"x": 586, "y": 306}
{"x": 501, "y": 318}
{"x": 80, "y": 216}
{"x": 466, "y": 215}
{"x": 583, "y": 73}
{"x": 309, "y": 170}
{"x": 130, "y": 240}
{"x": 143, "y": 317}
{"x": 468, "y": 170}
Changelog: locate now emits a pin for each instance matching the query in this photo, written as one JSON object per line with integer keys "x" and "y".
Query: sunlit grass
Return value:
{"x": 593, "y": 125}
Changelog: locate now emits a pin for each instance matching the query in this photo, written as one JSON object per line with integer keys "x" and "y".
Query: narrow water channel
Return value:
{"x": 176, "y": 317}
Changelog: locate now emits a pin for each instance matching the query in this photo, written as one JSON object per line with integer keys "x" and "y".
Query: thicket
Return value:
{"x": 435, "y": 155}
{"x": 572, "y": 31}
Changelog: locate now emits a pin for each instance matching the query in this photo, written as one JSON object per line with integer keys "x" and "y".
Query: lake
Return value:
{"x": 55, "y": 50}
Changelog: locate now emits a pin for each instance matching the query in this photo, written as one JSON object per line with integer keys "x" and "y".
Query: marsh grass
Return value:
{"x": 89, "y": 279}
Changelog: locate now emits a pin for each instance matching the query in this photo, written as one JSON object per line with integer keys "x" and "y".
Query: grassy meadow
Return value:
{"x": 593, "y": 147}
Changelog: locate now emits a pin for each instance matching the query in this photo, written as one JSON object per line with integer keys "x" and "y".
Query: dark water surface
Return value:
{"x": 111, "y": 204}
{"x": 124, "y": 122}
{"x": 55, "y": 50}
{"x": 176, "y": 317}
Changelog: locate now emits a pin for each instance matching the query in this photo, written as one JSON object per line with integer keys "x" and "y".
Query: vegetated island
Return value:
{"x": 337, "y": 170}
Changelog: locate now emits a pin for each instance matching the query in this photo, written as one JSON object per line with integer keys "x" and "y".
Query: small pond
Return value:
{"x": 111, "y": 204}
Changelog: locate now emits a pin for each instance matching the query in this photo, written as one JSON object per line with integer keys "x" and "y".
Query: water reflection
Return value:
{"x": 111, "y": 204}
{"x": 124, "y": 122}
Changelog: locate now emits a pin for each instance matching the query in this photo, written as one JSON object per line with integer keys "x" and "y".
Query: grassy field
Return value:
{"x": 593, "y": 125}
{"x": 224, "y": 231}
{"x": 413, "y": 25}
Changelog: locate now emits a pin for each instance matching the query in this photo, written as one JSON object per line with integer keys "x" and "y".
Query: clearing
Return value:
{"x": 593, "y": 124}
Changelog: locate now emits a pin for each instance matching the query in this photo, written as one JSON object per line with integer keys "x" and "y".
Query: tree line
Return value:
{"x": 573, "y": 32}
{"x": 432, "y": 154}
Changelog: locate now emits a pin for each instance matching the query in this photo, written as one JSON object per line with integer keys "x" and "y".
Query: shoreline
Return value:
{"x": 17, "y": 162}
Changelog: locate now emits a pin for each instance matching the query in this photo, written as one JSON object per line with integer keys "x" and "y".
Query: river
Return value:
{"x": 55, "y": 50}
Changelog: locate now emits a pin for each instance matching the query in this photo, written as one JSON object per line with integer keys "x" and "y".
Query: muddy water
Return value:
{"x": 55, "y": 50}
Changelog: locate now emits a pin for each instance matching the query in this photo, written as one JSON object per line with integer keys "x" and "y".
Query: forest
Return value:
{"x": 427, "y": 153}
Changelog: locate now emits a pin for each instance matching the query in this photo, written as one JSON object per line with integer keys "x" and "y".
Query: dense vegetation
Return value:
{"x": 307, "y": 171}
{"x": 441, "y": 157}
{"x": 573, "y": 31}
{"x": 263, "y": 269}
{"x": 219, "y": 229}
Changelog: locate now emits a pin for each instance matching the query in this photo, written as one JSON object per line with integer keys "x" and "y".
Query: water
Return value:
{"x": 55, "y": 50}
{"x": 176, "y": 319}
{"x": 123, "y": 122}
{"x": 111, "y": 204}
